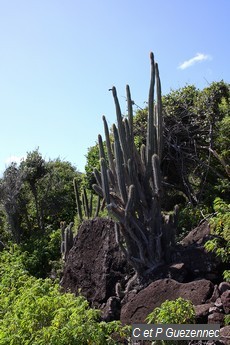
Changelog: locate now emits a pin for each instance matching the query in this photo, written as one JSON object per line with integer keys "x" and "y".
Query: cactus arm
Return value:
{"x": 77, "y": 197}
{"x": 156, "y": 174}
{"x": 121, "y": 129}
{"x": 158, "y": 114}
{"x": 108, "y": 145}
{"x": 150, "y": 123}
{"x": 86, "y": 203}
{"x": 131, "y": 200}
{"x": 97, "y": 176}
{"x": 105, "y": 182}
{"x": 98, "y": 190}
{"x": 130, "y": 114}
{"x": 101, "y": 147}
{"x": 119, "y": 166}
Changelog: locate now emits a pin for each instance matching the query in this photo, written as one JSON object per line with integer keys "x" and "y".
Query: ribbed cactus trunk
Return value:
{"x": 66, "y": 239}
{"x": 131, "y": 181}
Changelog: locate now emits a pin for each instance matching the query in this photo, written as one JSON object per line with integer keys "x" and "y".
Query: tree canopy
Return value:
{"x": 38, "y": 194}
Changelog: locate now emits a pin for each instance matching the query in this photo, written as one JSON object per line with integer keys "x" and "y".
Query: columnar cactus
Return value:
{"x": 131, "y": 182}
{"x": 85, "y": 202}
{"x": 67, "y": 239}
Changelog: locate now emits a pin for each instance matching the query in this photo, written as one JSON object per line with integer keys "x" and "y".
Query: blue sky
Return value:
{"x": 59, "y": 58}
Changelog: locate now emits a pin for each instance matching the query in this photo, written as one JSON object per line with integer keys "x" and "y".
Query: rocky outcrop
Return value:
{"x": 140, "y": 305}
{"x": 94, "y": 264}
{"x": 97, "y": 268}
{"x": 199, "y": 235}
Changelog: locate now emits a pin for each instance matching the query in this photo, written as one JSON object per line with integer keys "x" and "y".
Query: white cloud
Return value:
{"x": 197, "y": 58}
{"x": 15, "y": 159}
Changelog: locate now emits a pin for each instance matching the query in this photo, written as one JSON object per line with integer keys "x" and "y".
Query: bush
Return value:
{"x": 34, "y": 311}
{"x": 227, "y": 320}
{"x": 41, "y": 253}
{"x": 189, "y": 218}
{"x": 180, "y": 311}
{"x": 220, "y": 228}
{"x": 226, "y": 275}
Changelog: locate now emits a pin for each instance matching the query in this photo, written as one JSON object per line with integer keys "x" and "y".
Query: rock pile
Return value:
{"x": 97, "y": 269}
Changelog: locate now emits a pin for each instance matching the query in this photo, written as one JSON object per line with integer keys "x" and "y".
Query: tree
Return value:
{"x": 33, "y": 169}
{"x": 38, "y": 194}
{"x": 10, "y": 193}
{"x": 195, "y": 159}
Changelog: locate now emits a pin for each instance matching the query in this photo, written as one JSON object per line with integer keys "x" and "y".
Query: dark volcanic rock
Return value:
{"x": 198, "y": 262}
{"x": 137, "y": 308}
{"x": 215, "y": 294}
{"x": 197, "y": 235}
{"x": 216, "y": 317}
{"x": 225, "y": 335}
{"x": 225, "y": 299}
{"x": 95, "y": 263}
{"x": 224, "y": 286}
{"x": 111, "y": 309}
{"x": 202, "y": 312}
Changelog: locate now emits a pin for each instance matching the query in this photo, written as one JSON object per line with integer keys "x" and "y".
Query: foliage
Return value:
{"x": 4, "y": 234}
{"x": 10, "y": 188}
{"x": 189, "y": 218}
{"x": 227, "y": 320}
{"x": 37, "y": 194}
{"x": 140, "y": 127}
{"x": 42, "y": 254}
{"x": 220, "y": 228}
{"x": 91, "y": 163}
{"x": 195, "y": 161}
{"x": 179, "y": 311}
{"x": 34, "y": 311}
{"x": 226, "y": 275}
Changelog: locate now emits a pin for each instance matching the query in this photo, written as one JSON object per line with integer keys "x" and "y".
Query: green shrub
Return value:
{"x": 227, "y": 320}
{"x": 226, "y": 275}
{"x": 220, "y": 228}
{"x": 189, "y": 218}
{"x": 35, "y": 312}
{"x": 41, "y": 252}
{"x": 180, "y": 311}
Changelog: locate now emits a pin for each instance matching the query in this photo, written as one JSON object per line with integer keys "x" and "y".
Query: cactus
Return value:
{"x": 131, "y": 182}
{"x": 83, "y": 201}
{"x": 67, "y": 239}
{"x": 78, "y": 203}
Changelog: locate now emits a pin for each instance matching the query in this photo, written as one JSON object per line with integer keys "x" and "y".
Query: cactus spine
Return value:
{"x": 131, "y": 182}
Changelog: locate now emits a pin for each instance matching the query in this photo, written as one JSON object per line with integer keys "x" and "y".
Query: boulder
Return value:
{"x": 198, "y": 263}
{"x": 198, "y": 235}
{"x": 225, "y": 335}
{"x": 95, "y": 263}
{"x": 202, "y": 312}
{"x": 225, "y": 299}
{"x": 216, "y": 317}
{"x": 215, "y": 294}
{"x": 136, "y": 309}
{"x": 111, "y": 309}
{"x": 223, "y": 286}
